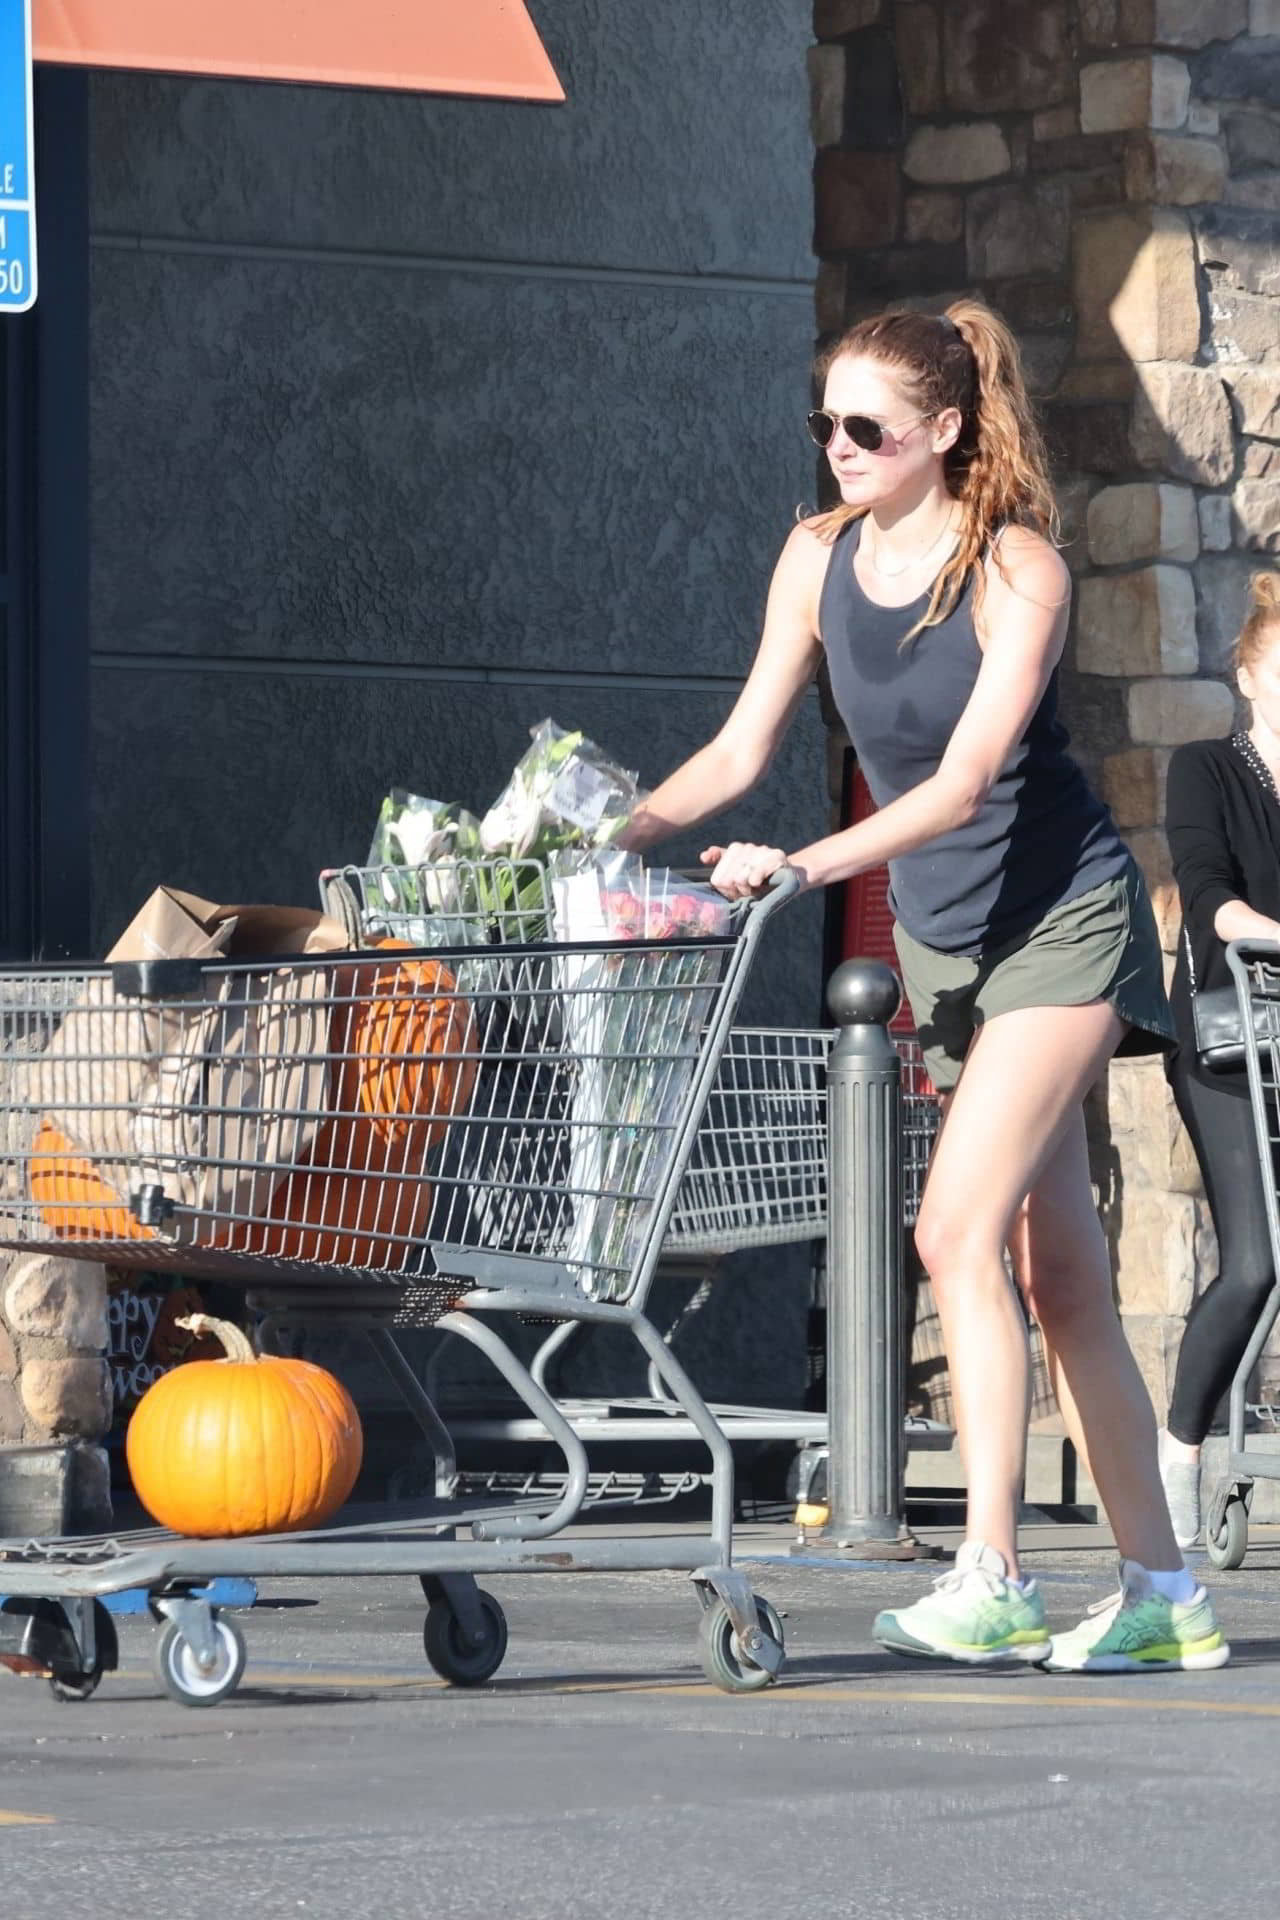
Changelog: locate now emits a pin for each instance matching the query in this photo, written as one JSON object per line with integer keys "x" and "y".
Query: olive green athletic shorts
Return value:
{"x": 1101, "y": 946}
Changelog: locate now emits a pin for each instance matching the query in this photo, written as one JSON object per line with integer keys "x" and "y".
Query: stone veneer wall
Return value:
{"x": 1106, "y": 173}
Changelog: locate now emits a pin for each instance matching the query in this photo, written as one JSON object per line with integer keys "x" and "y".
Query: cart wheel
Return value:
{"x": 447, "y": 1649}
{"x": 1228, "y": 1546}
{"x": 182, "y": 1676}
{"x": 722, "y": 1660}
{"x": 80, "y": 1683}
{"x": 75, "y": 1686}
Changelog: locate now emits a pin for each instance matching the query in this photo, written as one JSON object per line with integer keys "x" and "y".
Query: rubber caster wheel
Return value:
{"x": 75, "y": 1686}
{"x": 181, "y": 1674}
{"x": 723, "y": 1661}
{"x": 462, "y": 1663}
{"x": 71, "y": 1684}
{"x": 1228, "y": 1545}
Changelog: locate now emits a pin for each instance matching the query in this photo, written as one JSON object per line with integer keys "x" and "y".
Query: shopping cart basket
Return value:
{"x": 456, "y": 902}
{"x": 564, "y": 1087}
{"x": 756, "y": 1177}
{"x": 1255, "y": 969}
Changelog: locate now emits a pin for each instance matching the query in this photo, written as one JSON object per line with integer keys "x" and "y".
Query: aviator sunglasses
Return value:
{"x": 864, "y": 432}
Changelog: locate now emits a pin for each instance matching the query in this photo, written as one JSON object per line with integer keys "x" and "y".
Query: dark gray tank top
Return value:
{"x": 1042, "y": 835}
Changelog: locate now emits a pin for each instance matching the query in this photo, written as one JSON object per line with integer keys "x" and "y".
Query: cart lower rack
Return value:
{"x": 756, "y": 1179}
{"x": 377, "y": 1140}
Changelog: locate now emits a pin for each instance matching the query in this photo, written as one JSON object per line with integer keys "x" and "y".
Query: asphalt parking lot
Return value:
{"x": 599, "y": 1774}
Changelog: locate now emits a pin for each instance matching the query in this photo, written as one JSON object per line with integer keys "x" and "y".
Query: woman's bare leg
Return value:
{"x": 1032, "y": 1255}
{"x": 1014, "y": 1112}
{"x": 1101, "y": 1392}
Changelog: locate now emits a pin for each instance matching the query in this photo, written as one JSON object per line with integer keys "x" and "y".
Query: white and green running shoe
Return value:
{"x": 1138, "y": 1631}
{"x": 974, "y": 1614}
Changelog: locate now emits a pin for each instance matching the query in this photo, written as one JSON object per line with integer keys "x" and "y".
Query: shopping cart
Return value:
{"x": 756, "y": 1177}
{"x": 1255, "y": 968}
{"x": 564, "y": 1085}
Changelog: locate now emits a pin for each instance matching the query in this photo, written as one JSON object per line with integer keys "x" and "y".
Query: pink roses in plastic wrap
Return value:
{"x": 663, "y": 913}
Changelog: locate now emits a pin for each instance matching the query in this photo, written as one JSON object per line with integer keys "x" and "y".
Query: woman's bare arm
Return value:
{"x": 739, "y": 756}
{"x": 1236, "y": 920}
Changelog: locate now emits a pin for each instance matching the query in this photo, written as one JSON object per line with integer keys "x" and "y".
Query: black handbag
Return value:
{"x": 1215, "y": 1019}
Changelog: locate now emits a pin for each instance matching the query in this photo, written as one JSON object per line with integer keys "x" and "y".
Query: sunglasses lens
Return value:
{"x": 865, "y": 433}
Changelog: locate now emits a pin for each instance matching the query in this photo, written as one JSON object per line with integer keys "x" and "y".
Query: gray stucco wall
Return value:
{"x": 415, "y": 420}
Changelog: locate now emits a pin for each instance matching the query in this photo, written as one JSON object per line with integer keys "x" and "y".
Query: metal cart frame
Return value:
{"x": 49, "y": 1621}
{"x": 1255, "y": 969}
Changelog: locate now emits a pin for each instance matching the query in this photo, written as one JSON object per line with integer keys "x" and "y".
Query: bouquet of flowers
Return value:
{"x": 564, "y": 793}
{"x": 420, "y": 860}
{"x": 413, "y": 831}
{"x": 447, "y": 879}
{"x": 633, "y": 1024}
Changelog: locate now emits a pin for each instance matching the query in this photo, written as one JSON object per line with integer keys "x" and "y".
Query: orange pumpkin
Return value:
{"x": 398, "y": 1039}
{"x": 397, "y": 1033}
{"x": 221, "y": 1448}
{"x": 74, "y": 1200}
{"x": 324, "y": 1211}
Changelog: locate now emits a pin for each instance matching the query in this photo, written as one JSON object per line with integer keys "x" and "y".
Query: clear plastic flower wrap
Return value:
{"x": 413, "y": 831}
{"x": 634, "y": 1022}
{"x": 565, "y": 792}
{"x": 419, "y": 862}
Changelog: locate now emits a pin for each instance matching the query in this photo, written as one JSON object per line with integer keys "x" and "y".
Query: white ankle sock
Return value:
{"x": 1180, "y": 1585}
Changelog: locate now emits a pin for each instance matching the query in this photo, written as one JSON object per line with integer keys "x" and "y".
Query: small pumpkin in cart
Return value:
{"x": 245, "y": 1444}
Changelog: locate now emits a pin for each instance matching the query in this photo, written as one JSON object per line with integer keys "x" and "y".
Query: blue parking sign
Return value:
{"x": 17, "y": 169}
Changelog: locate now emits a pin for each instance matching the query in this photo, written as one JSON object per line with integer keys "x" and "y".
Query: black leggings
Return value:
{"x": 1220, "y": 1323}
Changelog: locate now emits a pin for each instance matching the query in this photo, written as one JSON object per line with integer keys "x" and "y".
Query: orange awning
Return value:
{"x": 424, "y": 46}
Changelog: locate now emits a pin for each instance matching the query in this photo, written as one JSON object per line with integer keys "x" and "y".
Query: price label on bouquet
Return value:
{"x": 581, "y": 796}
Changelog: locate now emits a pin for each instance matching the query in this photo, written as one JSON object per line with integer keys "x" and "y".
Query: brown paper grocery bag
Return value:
{"x": 173, "y": 925}
{"x": 211, "y": 1093}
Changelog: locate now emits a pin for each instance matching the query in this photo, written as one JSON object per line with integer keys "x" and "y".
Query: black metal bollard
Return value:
{"x": 866, "y": 1374}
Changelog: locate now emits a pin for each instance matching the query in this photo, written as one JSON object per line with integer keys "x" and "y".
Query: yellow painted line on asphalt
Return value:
{"x": 286, "y": 1677}
{"x": 1141, "y": 1698}
{"x": 366, "y": 1681}
{"x": 8, "y": 1819}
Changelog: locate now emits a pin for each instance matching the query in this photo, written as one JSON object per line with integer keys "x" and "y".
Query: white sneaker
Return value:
{"x": 1181, "y": 1481}
{"x": 973, "y": 1613}
{"x": 1138, "y": 1631}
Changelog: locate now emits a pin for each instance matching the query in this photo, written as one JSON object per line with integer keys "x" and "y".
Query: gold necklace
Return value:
{"x": 895, "y": 573}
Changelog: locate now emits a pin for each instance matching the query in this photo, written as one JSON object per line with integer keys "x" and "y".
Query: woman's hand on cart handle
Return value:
{"x": 744, "y": 871}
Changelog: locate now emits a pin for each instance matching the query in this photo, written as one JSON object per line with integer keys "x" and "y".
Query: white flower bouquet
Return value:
{"x": 461, "y": 881}
{"x": 564, "y": 793}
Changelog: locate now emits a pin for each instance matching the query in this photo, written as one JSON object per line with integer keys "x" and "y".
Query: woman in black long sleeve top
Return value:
{"x": 1223, "y": 822}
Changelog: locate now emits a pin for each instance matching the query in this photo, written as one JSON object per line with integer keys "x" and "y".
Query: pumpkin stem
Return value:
{"x": 235, "y": 1343}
